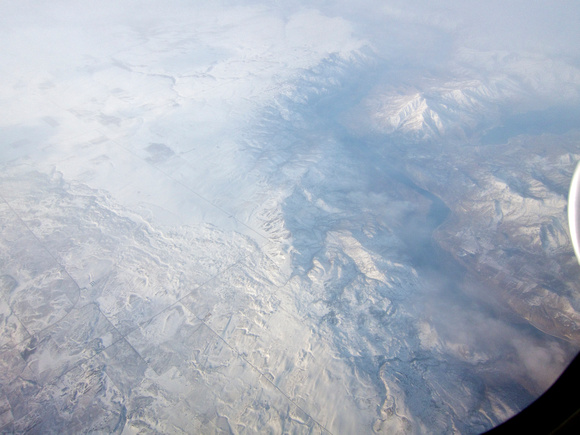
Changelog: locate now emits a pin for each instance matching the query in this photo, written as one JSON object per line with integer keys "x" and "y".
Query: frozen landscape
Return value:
{"x": 294, "y": 217}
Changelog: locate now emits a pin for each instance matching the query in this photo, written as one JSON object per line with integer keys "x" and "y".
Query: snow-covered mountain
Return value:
{"x": 279, "y": 218}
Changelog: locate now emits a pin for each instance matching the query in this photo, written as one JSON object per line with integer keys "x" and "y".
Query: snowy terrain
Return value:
{"x": 241, "y": 218}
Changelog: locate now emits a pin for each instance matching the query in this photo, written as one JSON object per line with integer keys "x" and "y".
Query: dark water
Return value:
{"x": 555, "y": 120}
{"x": 371, "y": 155}
{"x": 377, "y": 164}
{"x": 417, "y": 233}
